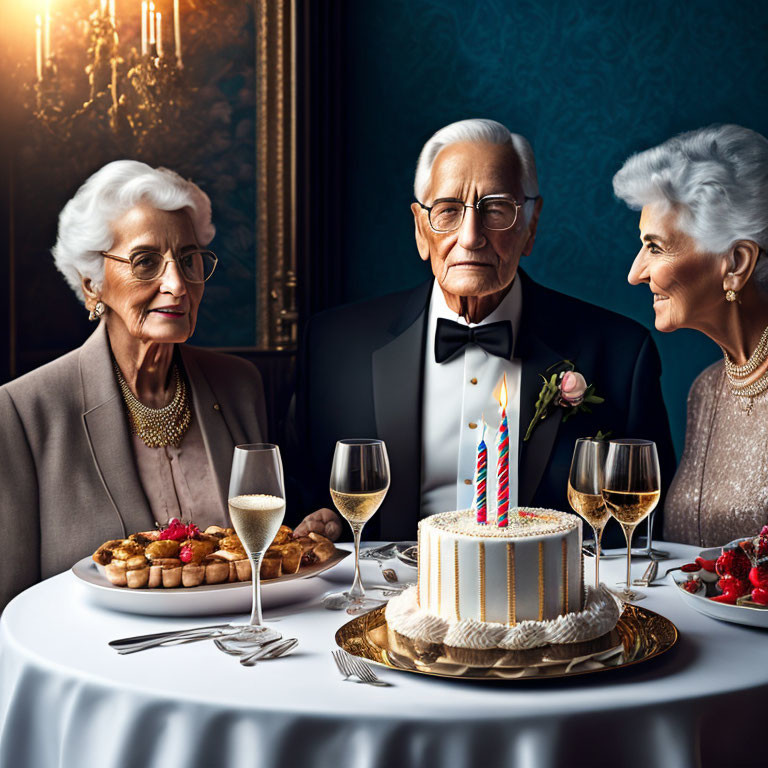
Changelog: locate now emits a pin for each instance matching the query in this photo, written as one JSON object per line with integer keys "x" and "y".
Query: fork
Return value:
{"x": 349, "y": 666}
{"x": 648, "y": 576}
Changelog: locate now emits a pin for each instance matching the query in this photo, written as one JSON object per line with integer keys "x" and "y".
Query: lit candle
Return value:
{"x": 39, "y": 47}
{"x": 177, "y": 31}
{"x": 47, "y": 49}
{"x": 158, "y": 22}
{"x": 480, "y": 503}
{"x": 151, "y": 23}
{"x": 502, "y": 466}
{"x": 144, "y": 28}
{"x": 103, "y": 7}
{"x": 112, "y": 14}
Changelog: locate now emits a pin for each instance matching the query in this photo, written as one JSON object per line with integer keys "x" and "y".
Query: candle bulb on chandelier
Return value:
{"x": 152, "y": 40}
{"x": 159, "y": 33}
{"x": 112, "y": 14}
{"x": 177, "y": 31}
{"x": 144, "y": 28}
{"x": 47, "y": 37}
{"x": 39, "y": 47}
{"x": 103, "y": 7}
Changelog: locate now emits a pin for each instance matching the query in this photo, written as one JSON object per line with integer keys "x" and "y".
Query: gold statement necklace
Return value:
{"x": 742, "y": 383}
{"x": 158, "y": 427}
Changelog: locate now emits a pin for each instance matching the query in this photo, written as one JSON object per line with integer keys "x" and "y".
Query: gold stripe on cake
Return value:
{"x": 541, "y": 581}
{"x": 456, "y": 577}
{"x": 439, "y": 576}
{"x": 428, "y": 565}
{"x": 564, "y": 601}
{"x": 419, "y": 553}
{"x": 511, "y": 595}
{"x": 481, "y": 560}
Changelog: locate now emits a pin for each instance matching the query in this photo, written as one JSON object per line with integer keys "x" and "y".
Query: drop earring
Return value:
{"x": 97, "y": 311}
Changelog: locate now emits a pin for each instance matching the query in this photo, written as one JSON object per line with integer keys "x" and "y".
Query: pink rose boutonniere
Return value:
{"x": 565, "y": 389}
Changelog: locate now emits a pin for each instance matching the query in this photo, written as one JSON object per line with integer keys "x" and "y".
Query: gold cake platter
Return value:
{"x": 639, "y": 636}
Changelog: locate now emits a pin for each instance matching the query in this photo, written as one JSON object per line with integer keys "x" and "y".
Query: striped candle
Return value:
{"x": 480, "y": 503}
{"x": 502, "y": 465}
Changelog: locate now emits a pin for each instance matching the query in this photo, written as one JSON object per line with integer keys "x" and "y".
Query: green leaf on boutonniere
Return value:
{"x": 549, "y": 396}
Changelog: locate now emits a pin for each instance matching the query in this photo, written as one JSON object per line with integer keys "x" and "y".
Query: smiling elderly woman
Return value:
{"x": 134, "y": 426}
{"x": 704, "y": 233}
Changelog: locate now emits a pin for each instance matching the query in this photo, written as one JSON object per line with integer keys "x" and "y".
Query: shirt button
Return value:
{"x": 467, "y": 482}
{"x": 473, "y": 381}
{"x": 216, "y": 407}
{"x": 472, "y": 425}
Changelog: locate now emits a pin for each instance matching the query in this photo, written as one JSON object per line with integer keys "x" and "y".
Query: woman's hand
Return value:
{"x": 324, "y": 521}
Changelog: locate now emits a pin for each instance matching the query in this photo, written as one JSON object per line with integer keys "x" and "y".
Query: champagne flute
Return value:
{"x": 631, "y": 490}
{"x": 585, "y": 485}
{"x": 256, "y": 508}
{"x": 359, "y": 483}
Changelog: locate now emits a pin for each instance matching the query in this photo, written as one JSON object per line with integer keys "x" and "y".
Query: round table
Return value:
{"x": 67, "y": 699}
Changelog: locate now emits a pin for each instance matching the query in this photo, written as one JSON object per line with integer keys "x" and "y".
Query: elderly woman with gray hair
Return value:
{"x": 704, "y": 232}
{"x": 133, "y": 427}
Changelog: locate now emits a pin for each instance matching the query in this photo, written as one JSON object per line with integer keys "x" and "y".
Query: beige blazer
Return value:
{"x": 68, "y": 477}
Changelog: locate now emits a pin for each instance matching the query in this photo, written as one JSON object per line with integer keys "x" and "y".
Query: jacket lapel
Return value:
{"x": 218, "y": 437}
{"x": 106, "y": 429}
{"x": 536, "y": 356}
{"x": 398, "y": 374}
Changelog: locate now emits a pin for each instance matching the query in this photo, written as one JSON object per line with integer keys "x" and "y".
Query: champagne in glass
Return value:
{"x": 359, "y": 483}
{"x": 256, "y": 507}
{"x": 631, "y": 490}
{"x": 585, "y": 484}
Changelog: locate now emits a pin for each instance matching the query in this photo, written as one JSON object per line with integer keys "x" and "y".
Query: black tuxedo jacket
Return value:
{"x": 361, "y": 374}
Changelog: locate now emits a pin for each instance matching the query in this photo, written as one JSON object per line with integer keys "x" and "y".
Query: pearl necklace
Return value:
{"x": 158, "y": 427}
{"x": 738, "y": 375}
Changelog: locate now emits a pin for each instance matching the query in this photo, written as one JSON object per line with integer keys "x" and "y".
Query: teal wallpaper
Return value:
{"x": 587, "y": 83}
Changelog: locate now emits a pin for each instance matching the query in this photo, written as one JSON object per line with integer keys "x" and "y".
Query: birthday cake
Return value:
{"x": 518, "y": 586}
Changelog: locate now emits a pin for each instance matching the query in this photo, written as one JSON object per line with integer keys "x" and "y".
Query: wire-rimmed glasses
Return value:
{"x": 496, "y": 212}
{"x": 196, "y": 265}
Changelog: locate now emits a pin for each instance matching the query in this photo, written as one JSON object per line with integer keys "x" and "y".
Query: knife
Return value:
{"x": 127, "y": 641}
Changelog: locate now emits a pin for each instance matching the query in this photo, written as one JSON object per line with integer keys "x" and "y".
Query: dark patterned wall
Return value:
{"x": 587, "y": 82}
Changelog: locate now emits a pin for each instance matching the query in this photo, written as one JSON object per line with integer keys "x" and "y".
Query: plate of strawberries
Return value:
{"x": 730, "y": 582}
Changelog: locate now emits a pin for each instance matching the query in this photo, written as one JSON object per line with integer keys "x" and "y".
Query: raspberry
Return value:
{"x": 758, "y": 576}
{"x": 185, "y": 555}
{"x": 707, "y": 565}
{"x": 733, "y": 562}
{"x": 692, "y": 585}
{"x": 732, "y": 586}
{"x": 760, "y": 595}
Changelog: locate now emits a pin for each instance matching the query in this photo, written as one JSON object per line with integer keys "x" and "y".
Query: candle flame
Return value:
{"x": 503, "y": 397}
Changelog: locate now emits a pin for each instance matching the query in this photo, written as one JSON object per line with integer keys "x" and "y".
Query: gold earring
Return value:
{"x": 98, "y": 310}
{"x": 731, "y": 295}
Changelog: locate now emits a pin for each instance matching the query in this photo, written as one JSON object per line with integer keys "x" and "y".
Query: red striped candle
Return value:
{"x": 502, "y": 465}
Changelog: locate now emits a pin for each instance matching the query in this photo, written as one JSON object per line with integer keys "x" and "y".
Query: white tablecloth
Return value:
{"x": 67, "y": 699}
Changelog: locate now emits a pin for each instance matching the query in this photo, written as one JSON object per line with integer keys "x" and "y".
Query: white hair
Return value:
{"x": 478, "y": 131}
{"x": 717, "y": 176}
{"x": 84, "y": 222}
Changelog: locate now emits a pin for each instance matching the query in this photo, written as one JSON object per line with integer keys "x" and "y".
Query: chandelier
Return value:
{"x": 136, "y": 89}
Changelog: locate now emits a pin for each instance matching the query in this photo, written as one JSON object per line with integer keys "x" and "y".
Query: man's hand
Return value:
{"x": 324, "y": 521}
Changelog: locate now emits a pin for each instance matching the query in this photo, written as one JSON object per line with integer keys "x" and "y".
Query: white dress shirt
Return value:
{"x": 456, "y": 396}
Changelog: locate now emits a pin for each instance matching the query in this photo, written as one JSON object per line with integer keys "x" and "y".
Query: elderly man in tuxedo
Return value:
{"x": 420, "y": 369}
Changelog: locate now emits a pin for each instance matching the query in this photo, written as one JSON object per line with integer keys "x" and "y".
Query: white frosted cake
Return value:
{"x": 530, "y": 570}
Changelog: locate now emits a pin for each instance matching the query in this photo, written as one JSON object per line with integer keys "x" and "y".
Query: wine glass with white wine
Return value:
{"x": 256, "y": 508}
{"x": 359, "y": 483}
{"x": 631, "y": 490}
{"x": 585, "y": 485}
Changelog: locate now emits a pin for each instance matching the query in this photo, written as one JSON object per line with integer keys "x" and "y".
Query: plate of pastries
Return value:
{"x": 181, "y": 570}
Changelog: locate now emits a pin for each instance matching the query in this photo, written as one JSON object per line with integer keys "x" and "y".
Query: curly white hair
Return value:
{"x": 84, "y": 222}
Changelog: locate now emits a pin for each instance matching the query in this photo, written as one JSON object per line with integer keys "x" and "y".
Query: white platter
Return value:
{"x": 738, "y": 614}
{"x": 207, "y": 599}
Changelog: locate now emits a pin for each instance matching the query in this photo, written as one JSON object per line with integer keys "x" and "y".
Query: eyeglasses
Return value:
{"x": 195, "y": 266}
{"x": 496, "y": 213}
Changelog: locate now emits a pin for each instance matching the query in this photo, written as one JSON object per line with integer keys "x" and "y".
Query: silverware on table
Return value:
{"x": 272, "y": 650}
{"x": 649, "y": 575}
{"x": 383, "y": 552}
{"x": 177, "y": 638}
{"x": 128, "y": 641}
{"x": 351, "y": 666}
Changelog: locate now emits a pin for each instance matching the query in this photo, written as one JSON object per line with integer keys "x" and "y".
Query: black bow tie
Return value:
{"x": 494, "y": 338}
